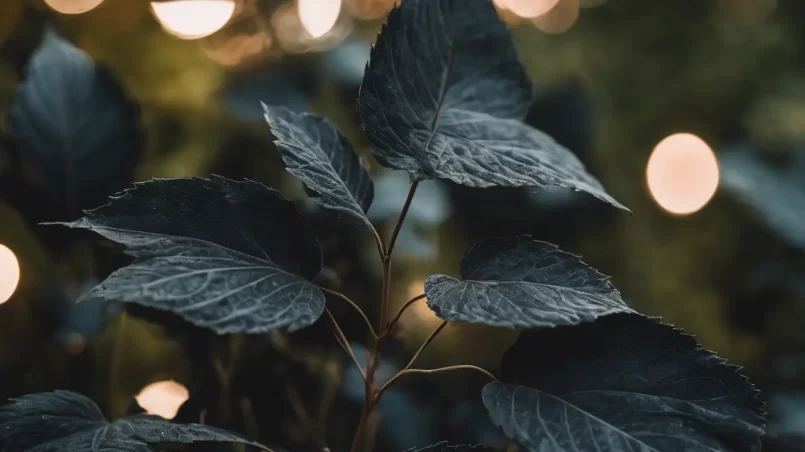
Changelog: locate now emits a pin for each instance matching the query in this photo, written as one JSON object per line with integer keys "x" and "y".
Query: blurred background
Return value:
{"x": 690, "y": 112}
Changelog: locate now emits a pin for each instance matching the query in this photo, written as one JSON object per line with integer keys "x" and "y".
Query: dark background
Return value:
{"x": 625, "y": 75}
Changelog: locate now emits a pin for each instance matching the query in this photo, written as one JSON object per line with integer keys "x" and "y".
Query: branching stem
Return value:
{"x": 355, "y": 306}
{"x": 342, "y": 339}
{"x": 433, "y": 371}
{"x": 403, "y": 213}
{"x": 400, "y": 312}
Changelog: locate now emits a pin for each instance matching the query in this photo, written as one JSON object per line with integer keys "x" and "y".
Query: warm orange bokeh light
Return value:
{"x": 528, "y": 9}
{"x": 193, "y": 19}
{"x": 682, "y": 173}
{"x": 9, "y": 273}
{"x": 73, "y": 6}
{"x": 560, "y": 18}
{"x": 318, "y": 16}
{"x": 163, "y": 398}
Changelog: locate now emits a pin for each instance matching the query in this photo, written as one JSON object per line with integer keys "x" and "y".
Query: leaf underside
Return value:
{"x": 235, "y": 257}
{"x": 622, "y": 383}
{"x": 445, "y": 447}
{"x": 444, "y": 96}
{"x": 319, "y": 155}
{"x": 75, "y": 123}
{"x": 521, "y": 282}
{"x": 64, "y": 421}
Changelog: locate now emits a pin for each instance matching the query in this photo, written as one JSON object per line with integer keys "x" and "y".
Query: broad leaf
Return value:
{"x": 520, "y": 282}
{"x": 444, "y": 96}
{"x": 235, "y": 257}
{"x": 444, "y": 447}
{"x": 64, "y": 421}
{"x": 317, "y": 153}
{"x": 622, "y": 383}
{"x": 74, "y": 123}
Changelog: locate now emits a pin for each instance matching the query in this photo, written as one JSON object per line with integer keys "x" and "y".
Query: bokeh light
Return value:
{"x": 318, "y": 16}
{"x": 163, "y": 398}
{"x": 73, "y": 6}
{"x": 9, "y": 273}
{"x": 560, "y": 18}
{"x": 528, "y": 8}
{"x": 682, "y": 173}
{"x": 193, "y": 19}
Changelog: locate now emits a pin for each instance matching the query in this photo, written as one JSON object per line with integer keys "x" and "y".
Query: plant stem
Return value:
{"x": 425, "y": 344}
{"x": 433, "y": 371}
{"x": 355, "y": 306}
{"x": 403, "y": 213}
{"x": 401, "y": 310}
{"x": 342, "y": 339}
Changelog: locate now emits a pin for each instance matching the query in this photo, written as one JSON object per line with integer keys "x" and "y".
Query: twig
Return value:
{"x": 403, "y": 213}
{"x": 342, "y": 339}
{"x": 381, "y": 248}
{"x": 425, "y": 344}
{"x": 355, "y": 306}
{"x": 401, "y": 310}
{"x": 433, "y": 371}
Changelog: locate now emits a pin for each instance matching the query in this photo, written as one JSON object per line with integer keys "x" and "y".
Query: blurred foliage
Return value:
{"x": 644, "y": 69}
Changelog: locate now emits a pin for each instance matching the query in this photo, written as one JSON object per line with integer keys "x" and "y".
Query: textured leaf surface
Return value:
{"x": 73, "y": 121}
{"x": 65, "y": 421}
{"x": 520, "y": 282}
{"x": 232, "y": 256}
{"x": 622, "y": 383}
{"x": 444, "y": 96}
{"x": 444, "y": 447}
{"x": 319, "y": 155}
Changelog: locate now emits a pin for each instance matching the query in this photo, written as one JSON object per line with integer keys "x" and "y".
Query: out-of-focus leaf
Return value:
{"x": 622, "y": 383}
{"x": 81, "y": 320}
{"x": 444, "y": 96}
{"x": 521, "y": 282}
{"x": 235, "y": 257}
{"x": 347, "y": 61}
{"x": 778, "y": 197}
{"x": 65, "y": 421}
{"x": 74, "y": 123}
{"x": 319, "y": 155}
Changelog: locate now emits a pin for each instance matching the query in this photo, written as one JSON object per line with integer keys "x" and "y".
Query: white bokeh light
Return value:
{"x": 318, "y": 16}
{"x": 163, "y": 398}
{"x": 73, "y": 6}
{"x": 528, "y": 8}
{"x": 193, "y": 19}
{"x": 9, "y": 273}
{"x": 682, "y": 173}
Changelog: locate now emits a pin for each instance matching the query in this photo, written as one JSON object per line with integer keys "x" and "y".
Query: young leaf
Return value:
{"x": 444, "y": 96}
{"x": 317, "y": 153}
{"x": 520, "y": 282}
{"x": 68, "y": 422}
{"x": 235, "y": 257}
{"x": 622, "y": 383}
{"x": 444, "y": 447}
{"x": 75, "y": 124}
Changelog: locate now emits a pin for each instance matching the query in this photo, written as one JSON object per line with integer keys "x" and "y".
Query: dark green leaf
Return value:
{"x": 235, "y": 257}
{"x": 520, "y": 282}
{"x": 63, "y": 421}
{"x": 622, "y": 383}
{"x": 444, "y": 96}
{"x": 75, "y": 124}
{"x": 319, "y": 155}
{"x": 444, "y": 447}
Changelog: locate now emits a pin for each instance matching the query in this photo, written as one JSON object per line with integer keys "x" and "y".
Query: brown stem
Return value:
{"x": 401, "y": 310}
{"x": 386, "y": 295}
{"x": 381, "y": 248}
{"x": 355, "y": 306}
{"x": 432, "y": 371}
{"x": 403, "y": 213}
{"x": 425, "y": 344}
{"x": 342, "y": 339}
